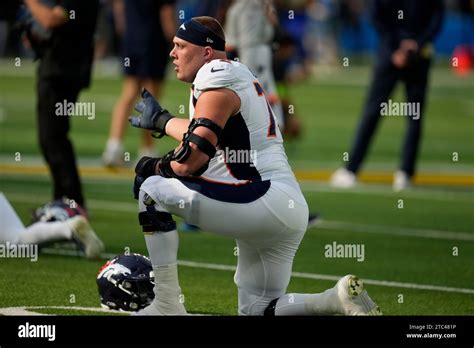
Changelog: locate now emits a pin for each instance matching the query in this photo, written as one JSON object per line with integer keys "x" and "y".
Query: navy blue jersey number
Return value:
{"x": 272, "y": 126}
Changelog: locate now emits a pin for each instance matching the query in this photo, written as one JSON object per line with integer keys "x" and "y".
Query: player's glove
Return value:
{"x": 153, "y": 116}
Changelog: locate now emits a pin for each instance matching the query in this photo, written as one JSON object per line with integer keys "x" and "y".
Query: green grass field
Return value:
{"x": 418, "y": 259}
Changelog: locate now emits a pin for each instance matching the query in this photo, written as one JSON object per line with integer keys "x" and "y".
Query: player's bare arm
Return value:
{"x": 159, "y": 120}
{"x": 216, "y": 105}
{"x": 176, "y": 127}
{"x": 167, "y": 19}
{"x": 199, "y": 137}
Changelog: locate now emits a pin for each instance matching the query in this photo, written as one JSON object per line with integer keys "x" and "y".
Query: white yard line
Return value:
{"x": 18, "y": 311}
{"x": 336, "y": 278}
{"x": 396, "y": 231}
{"x": 327, "y": 224}
{"x": 231, "y": 268}
{"x": 388, "y": 283}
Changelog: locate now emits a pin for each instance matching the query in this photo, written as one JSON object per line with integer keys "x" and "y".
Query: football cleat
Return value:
{"x": 354, "y": 299}
{"x": 85, "y": 237}
{"x": 58, "y": 210}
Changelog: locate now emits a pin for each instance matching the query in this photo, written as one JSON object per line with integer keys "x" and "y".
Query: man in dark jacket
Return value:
{"x": 65, "y": 52}
{"x": 406, "y": 29}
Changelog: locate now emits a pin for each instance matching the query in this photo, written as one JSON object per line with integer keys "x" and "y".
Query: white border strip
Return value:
{"x": 336, "y": 278}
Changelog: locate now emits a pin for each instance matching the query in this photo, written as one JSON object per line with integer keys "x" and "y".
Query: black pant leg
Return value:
{"x": 416, "y": 81}
{"x": 384, "y": 80}
{"x": 53, "y": 138}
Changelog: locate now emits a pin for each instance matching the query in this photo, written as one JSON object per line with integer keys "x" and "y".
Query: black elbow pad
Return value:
{"x": 203, "y": 144}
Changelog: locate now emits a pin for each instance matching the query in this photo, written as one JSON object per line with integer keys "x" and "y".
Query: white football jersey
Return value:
{"x": 248, "y": 193}
{"x": 251, "y": 145}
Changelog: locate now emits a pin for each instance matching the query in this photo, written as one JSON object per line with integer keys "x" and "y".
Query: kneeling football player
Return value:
{"x": 229, "y": 176}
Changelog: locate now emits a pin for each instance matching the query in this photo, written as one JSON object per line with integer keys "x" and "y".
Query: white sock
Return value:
{"x": 162, "y": 247}
{"x": 325, "y": 303}
{"x": 41, "y": 232}
{"x": 168, "y": 298}
{"x": 163, "y": 251}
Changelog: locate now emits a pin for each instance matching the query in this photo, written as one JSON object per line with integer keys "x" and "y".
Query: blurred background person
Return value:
{"x": 212, "y": 8}
{"x": 287, "y": 72}
{"x": 321, "y": 35}
{"x": 110, "y": 28}
{"x": 149, "y": 28}
{"x": 57, "y": 221}
{"x": 250, "y": 29}
{"x": 65, "y": 50}
{"x": 407, "y": 29}
{"x": 8, "y": 11}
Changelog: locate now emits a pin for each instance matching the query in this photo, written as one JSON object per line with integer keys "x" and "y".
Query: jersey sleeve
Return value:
{"x": 218, "y": 73}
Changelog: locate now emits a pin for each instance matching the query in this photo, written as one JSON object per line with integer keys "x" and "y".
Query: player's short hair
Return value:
{"x": 212, "y": 24}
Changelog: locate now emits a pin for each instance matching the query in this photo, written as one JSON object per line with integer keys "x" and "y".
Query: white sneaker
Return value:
{"x": 83, "y": 234}
{"x": 113, "y": 155}
{"x": 343, "y": 178}
{"x": 354, "y": 299}
{"x": 401, "y": 181}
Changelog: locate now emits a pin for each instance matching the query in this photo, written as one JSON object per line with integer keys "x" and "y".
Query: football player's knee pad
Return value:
{"x": 152, "y": 220}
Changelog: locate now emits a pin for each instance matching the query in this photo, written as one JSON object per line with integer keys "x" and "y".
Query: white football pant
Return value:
{"x": 268, "y": 232}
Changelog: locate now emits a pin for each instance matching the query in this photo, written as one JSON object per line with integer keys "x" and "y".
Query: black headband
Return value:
{"x": 196, "y": 33}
